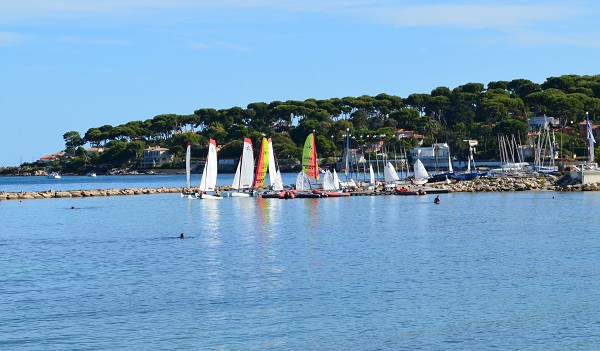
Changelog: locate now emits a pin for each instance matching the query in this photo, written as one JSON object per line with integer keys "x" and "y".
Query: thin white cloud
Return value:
{"x": 532, "y": 38}
{"x": 92, "y": 40}
{"x": 219, "y": 46}
{"x": 465, "y": 14}
{"x": 199, "y": 46}
{"x": 471, "y": 15}
{"x": 511, "y": 18}
{"x": 7, "y": 38}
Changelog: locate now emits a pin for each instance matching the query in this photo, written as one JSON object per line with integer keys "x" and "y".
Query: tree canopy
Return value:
{"x": 470, "y": 111}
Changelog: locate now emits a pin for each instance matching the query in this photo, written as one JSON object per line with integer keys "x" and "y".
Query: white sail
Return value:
{"x": 371, "y": 175}
{"x": 209, "y": 175}
{"x": 272, "y": 166}
{"x": 336, "y": 180}
{"x": 278, "y": 182}
{"x": 188, "y": 158}
{"x": 389, "y": 173}
{"x": 302, "y": 182}
{"x": 236, "y": 177}
{"x": 246, "y": 168}
{"x": 420, "y": 171}
{"x": 328, "y": 182}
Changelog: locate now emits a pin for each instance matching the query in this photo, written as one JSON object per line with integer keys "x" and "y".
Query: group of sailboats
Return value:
{"x": 310, "y": 170}
{"x": 250, "y": 176}
{"x": 245, "y": 181}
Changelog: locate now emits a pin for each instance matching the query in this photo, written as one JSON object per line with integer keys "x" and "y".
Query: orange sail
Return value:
{"x": 262, "y": 165}
{"x": 309, "y": 157}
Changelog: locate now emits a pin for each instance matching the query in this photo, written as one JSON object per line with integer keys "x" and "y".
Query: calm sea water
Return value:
{"x": 489, "y": 271}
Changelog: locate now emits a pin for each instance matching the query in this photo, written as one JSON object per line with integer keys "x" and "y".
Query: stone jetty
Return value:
{"x": 547, "y": 183}
{"x": 84, "y": 193}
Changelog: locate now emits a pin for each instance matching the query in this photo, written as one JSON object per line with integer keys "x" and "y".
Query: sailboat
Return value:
{"x": 274, "y": 174}
{"x": 244, "y": 175}
{"x": 390, "y": 176}
{"x": 587, "y": 172}
{"x": 209, "y": 174}
{"x": 471, "y": 173}
{"x": 421, "y": 175}
{"x": 310, "y": 168}
{"x": 443, "y": 176}
{"x": 310, "y": 165}
{"x": 336, "y": 179}
{"x": 275, "y": 180}
{"x": 187, "y": 191}
{"x": 262, "y": 164}
{"x": 330, "y": 189}
{"x": 389, "y": 173}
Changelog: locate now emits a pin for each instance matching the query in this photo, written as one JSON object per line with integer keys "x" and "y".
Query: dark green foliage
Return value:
{"x": 232, "y": 149}
{"x": 469, "y": 111}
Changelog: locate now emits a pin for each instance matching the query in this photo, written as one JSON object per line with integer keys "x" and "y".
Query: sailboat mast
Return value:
{"x": 348, "y": 167}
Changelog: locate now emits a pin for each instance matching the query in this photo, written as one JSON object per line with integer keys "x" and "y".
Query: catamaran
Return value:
{"x": 310, "y": 168}
{"x": 274, "y": 174}
{"x": 262, "y": 164}
{"x": 275, "y": 180}
{"x": 244, "y": 175}
{"x": 209, "y": 175}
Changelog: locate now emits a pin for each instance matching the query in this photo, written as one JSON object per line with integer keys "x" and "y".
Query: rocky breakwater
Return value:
{"x": 502, "y": 184}
{"x": 582, "y": 187}
{"x": 84, "y": 193}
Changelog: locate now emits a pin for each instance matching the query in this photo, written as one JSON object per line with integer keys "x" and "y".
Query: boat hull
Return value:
{"x": 405, "y": 191}
{"x": 236, "y": 194}
{"x": 208, "y": 197}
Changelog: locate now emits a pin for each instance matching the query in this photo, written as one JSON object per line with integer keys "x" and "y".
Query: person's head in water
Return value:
{"x": 181, "y": 236}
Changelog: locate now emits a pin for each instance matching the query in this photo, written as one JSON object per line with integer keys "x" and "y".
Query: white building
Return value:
{"x": 156, "y": 156}
{"x": 436, "y": 156}
{"x": 542, "y": 122}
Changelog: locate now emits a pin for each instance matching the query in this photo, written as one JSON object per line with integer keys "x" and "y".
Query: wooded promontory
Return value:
{"x": 452, "y": 115}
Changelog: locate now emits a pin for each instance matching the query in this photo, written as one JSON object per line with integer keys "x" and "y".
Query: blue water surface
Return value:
{"x": 487, "y": 271}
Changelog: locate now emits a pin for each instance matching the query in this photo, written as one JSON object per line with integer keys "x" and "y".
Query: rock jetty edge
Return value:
{"x": 476, "y": 185}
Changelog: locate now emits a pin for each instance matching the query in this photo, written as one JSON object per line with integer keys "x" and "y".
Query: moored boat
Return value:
{"x": 209, "y": 174}
{"x": 407, "y": 191}
{"x": 244, "y": 175}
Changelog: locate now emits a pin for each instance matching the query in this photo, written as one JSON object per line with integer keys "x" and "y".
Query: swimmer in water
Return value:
{"x": 181, "y": 236}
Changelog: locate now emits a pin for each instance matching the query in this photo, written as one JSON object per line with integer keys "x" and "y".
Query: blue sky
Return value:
{"x": 76, "y": 64}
